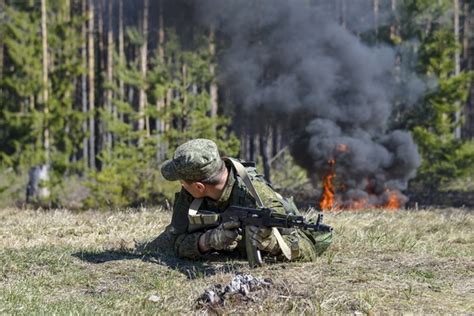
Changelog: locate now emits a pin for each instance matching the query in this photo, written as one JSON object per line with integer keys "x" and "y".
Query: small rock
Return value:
{"x": 241, "y": 285}
{"x": 211, "y": 297}
{"x": 154, "y": 298}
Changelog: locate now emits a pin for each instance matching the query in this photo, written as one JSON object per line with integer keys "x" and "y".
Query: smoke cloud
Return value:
{"x": 296, "y": 61}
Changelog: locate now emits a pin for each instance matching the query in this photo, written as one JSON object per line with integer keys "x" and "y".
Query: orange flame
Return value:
{"x": 393, "y": 203}
{"x": 393, "y": 199}
{"x": 327, "y": 200}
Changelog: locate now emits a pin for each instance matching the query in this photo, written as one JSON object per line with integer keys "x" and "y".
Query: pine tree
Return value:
{"x": 21, "y": 120}
{"x": 434, "y": 120}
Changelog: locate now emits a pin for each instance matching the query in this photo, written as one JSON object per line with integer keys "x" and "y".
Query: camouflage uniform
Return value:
{"x": 304, "y": 246}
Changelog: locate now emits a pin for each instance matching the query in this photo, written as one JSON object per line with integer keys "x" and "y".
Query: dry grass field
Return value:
{"x": 380, "y": 262}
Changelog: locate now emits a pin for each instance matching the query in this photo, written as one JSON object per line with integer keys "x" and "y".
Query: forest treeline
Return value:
{"x": 95, "y": 94}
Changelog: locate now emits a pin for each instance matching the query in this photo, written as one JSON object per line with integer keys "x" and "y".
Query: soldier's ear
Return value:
{"x": 201, "y": 187}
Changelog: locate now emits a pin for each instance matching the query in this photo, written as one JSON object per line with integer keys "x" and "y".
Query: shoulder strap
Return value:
{"x": 198, "y": 221}
{"x": 243, "y": 174}
{"x": 194, "y": 207}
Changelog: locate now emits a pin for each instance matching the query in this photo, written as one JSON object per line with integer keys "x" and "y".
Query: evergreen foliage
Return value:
{"x": 22, "y": 118}
{"x": 178, "y": 101}
{"x": 130, "y": 170}
{"x": 432, "y": 120}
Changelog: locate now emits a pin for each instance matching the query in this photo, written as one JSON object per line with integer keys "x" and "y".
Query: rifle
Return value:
{"x": 268, "y": 218}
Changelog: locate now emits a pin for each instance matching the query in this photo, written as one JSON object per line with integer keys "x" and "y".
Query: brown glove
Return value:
{"x": 264, "y": 239}
{"x": 223, "y": 237}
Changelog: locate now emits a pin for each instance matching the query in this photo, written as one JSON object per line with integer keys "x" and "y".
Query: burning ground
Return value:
{"x": 291, "y": 64}
{"x": 380, "y": 262}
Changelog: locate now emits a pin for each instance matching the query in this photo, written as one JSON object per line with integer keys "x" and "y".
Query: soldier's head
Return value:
{"x": 198, "y": 166}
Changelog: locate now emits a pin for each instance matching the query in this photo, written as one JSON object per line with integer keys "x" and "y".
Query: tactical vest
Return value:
{"x": 247, "y": 173}
{"x": 199, "y": 220}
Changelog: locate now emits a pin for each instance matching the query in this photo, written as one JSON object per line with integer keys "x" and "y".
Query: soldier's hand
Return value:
{"x": 224, "y": 237}
{"x": 264, "y": 239}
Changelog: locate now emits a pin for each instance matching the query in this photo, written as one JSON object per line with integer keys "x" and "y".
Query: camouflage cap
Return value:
{"x": 195, "y": 160}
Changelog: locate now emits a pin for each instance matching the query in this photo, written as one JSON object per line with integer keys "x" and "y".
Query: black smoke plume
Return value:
{"x": 296, "y": 61}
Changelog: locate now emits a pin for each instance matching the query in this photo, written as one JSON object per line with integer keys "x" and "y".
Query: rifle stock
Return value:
{"x": 254, "y": 257}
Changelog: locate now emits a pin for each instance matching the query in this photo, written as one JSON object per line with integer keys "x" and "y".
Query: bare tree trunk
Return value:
{"x": 100, "y": 51}
{"x": 170, "y": 95}
{"x": 37, "y": 190}
{"x": 85, "y": 148}
{"x": 109, "y": 93}
{"x": 143, "y": 68}
{"x": 376, "y": 18}
{"x": 32, "y": 103}
{"x": 212, "y": 71}
{"x": 161, "y": 32}
{"x": 66, "y": 18}
{"x": 275, "y": 140}
{"x": 91, "y": 80}
{"x": 243, "y": 144}
{"x": 252, "y": 146}
{"x": 2, "y": 18}
{"x": 100, "y": 80}
{"x": 457, "y": 66}
{"x": 160, "y": 103}
{"x": 263, "y": 142}
{"x": 44, "y": 37}
{"x": 468, "y": 56}
{"x": 184, "y": 96}
{"x": 169, "y": 100}
{"x": 466, "y": 32}
{"x": 121, "y": 53}
{"x": 393, "y": 25}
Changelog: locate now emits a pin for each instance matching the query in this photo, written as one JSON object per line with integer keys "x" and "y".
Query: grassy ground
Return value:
{"x": 406, "y": 261}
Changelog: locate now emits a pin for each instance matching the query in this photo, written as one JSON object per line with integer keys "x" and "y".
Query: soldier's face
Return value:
{"x": 196, "y": 189}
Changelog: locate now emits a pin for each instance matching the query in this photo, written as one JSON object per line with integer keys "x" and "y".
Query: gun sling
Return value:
{"x": 194, "y": 218}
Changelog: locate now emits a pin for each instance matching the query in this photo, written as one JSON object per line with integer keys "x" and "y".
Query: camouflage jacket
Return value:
{"x": 185, "y": 243}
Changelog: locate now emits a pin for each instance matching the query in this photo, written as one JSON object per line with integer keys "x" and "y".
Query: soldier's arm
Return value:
{"x": 301, "y": 246}
{"x": 184, "y": 244}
